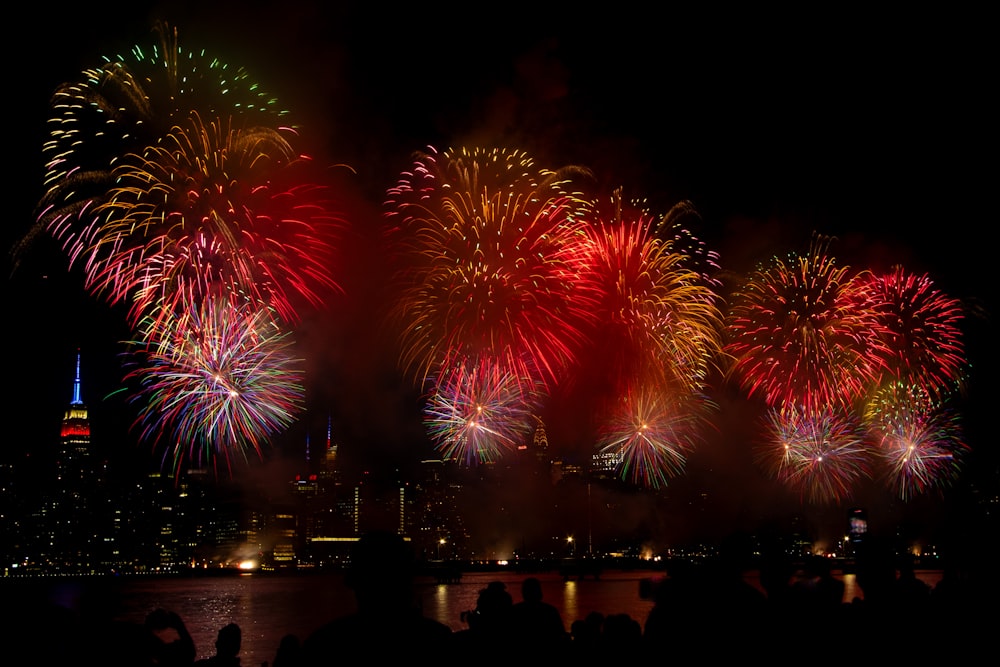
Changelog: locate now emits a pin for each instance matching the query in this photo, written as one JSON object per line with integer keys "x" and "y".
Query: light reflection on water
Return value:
{"x": 268, "y": 607}
{"x": 571, "y": 605}
{"x": 614, "y": 592}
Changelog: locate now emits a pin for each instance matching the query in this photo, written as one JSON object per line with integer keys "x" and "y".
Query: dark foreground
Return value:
{"x": 708, "y": 612}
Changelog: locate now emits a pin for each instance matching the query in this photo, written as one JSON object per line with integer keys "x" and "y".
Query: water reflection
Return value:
{"x": 269, "y": 607}
{"x": 570, "y": 606}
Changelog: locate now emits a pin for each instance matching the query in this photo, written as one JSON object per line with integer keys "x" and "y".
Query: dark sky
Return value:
{"x": 877, "y": 128}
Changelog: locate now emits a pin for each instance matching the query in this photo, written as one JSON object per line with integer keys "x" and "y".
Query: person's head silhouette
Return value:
{"x": 389, "y": 624}
{"x": 531, "y": 590}
{"x": 381, "y": 572}
{"x": 229, "y": 641}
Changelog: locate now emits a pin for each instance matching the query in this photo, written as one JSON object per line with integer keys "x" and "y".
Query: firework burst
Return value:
{"x": 649, "y": 434}
{"x": 820, "y": 452}
{"x": 214, "y": 206}
{"x": 918, "y": 439}
{"x": 491, "y": 253}
{"x": 479, "y": 411}
{"x": 659, "y": 315}
{"x": 920, "y": 326}
{"x": 803, "y": 332}
{"x": 123, "y": 106}
{"x": 216, "y": 382}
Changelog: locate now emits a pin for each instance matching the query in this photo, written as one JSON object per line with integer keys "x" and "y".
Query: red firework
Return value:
{"x": 492, "y": 258}
{"x": 920, "y": 327}
{"x": 803, "y": 331}
{"x": 214, "y": 206}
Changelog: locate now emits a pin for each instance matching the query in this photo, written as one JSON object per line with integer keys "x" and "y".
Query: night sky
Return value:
{"x": 875, "y": 128}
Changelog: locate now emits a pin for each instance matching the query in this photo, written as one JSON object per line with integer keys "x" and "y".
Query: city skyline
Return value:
{"x": 868, "y": 181}
{"x": 148, "y": 522}
{"x": 498, "y": 507}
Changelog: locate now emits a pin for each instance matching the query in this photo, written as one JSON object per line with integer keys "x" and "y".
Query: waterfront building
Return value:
{"x": 436, "y": 525}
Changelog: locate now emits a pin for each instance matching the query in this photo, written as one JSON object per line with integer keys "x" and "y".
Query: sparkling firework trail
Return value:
{"x": 124, "y": 106}
{"x": 919, "y": 441}
{"x": 491, "y": 253}
{"x": 649, "y": 435}
{"x": 216, "y": 381}
{"x": 819, "y": 453}
{"x": 212, "y": 205}
{"x": 921, "y": 328}
{"x": 659, "y": 316}
{"x": 479, "y": 411}
{"x": 803, "y": 332}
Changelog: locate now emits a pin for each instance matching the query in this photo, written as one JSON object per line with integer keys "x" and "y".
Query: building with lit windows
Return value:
{"x": 74, "y": 507}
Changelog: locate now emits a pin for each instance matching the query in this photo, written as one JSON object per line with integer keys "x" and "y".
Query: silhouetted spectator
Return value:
{"x": 817, "y": 591}
{"x": 911, "y": 599}
{"x": 705, "y": 602}
{"x": 388, "y": 622}
{"x": 621, "y": 638}
{"x": 776, "y": 571}
{"x": 289, "y": 652}
{"x": 875, "y": 572}
{"x": 489, "y": 631}
{"x": 672, "y": 606}
{"x": 910, "y": 593}
{"x": 227, "y": 648}
{"x": 585, "y": 635}
{"x": 536, "y": 622}
{"x": 170, "y": 643}
{"x": 967, "y": 587}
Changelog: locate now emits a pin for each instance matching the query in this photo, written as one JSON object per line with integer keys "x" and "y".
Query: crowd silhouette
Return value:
{"x": 706, "y": 610}
{"x": 227, "y": 648}
{"x": 388, "y": 624}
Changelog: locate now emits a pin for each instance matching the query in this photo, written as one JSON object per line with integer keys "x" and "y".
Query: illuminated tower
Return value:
{"x": 75, "y": 431}
{"x": 73, "y": 506}
{"x": 330, "y": 480}
{"x": 329, "y": 467}
{"x": 541, "y": 441}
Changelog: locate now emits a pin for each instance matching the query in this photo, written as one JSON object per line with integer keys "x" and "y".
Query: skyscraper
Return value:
{"x": 73, "y": 508}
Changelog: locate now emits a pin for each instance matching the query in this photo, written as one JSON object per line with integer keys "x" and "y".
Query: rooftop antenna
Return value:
{"x": 76, "y": 383}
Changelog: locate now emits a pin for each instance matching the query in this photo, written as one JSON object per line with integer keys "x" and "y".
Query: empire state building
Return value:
{"x": 75, "y": 432}
{"x": 73, "y": 508}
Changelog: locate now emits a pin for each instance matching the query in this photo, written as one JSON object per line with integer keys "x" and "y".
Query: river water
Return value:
{"x": 267, "y": 607}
